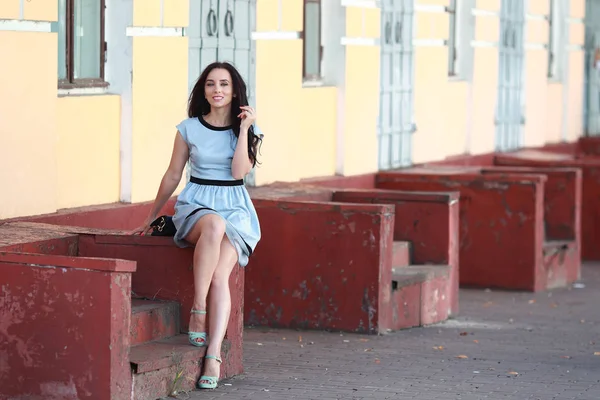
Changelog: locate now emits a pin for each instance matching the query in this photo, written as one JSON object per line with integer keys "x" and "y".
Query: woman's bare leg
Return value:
{"x": 220, "y": 305}
{"x": 208, "y": 234}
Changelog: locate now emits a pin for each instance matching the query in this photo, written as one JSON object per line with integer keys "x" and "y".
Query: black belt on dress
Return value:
{"x": 212, "y": 182}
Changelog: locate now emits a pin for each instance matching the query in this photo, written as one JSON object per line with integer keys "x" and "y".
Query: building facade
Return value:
{"x": 91, "y": 90}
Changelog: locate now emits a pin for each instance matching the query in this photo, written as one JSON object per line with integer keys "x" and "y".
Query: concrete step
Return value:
{"x": 401, "y": 254}
{"x": 166, "y": 367}
{"x": 421, "y": 295}
{"x": 153, "y": 320}
{"x": 562, "y": 264}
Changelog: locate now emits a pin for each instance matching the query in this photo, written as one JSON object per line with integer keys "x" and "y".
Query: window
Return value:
{"x": 558, "y": 39}
{"x": 452, "y": 42}
{"x": 313, "y": 50}
{"x": 81, "y": 46}
{"x": 462, "y": 32}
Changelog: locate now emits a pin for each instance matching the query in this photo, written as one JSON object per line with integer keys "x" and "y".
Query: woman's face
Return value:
{"x": 218, "y": 88}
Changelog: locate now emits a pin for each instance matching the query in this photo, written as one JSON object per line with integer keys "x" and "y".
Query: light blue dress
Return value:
{"x": 211, "y": 152}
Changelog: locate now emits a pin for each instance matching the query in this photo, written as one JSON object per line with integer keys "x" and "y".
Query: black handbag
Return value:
{"x": 163, "y": 226}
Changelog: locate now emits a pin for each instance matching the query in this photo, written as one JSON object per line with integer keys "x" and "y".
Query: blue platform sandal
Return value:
{"x": 209, "y": 382}
{"x": 198, "y": 339}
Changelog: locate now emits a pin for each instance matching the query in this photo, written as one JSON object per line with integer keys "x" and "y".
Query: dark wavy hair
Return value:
{"x": 199, "y": 106}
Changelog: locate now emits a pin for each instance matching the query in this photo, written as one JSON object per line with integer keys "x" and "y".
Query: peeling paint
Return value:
{"x": 59, "y": 390}
{"x": 352, "y": 227}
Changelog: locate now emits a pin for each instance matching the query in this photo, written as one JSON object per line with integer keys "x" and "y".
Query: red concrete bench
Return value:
{"x": 588, "y": 146}
{"x": 427, "y": 225}
{"x": 83, "y": 304}
{"x": 502, "y": 224}
{"x": 590, "y": 189}
{"x": 64, "y": 320}
{"x": 336, "y": 264}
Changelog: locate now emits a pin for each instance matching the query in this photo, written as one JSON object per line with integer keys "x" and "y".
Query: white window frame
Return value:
{"x": 461, "y": 34}
{"x": 309, "y": 79}
{"x": 558, "y": 39}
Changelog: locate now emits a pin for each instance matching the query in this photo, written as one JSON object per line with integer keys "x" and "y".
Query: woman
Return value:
{"x": 214, "y": 212}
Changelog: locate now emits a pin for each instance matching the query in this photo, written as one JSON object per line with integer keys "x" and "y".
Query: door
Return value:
{"x": 220, "y": 30}
{"x": 234, "y": 43}
{"x": 509, "y": 107}
{"x": 396, "y": 125}
{"x": 592, "y": 68}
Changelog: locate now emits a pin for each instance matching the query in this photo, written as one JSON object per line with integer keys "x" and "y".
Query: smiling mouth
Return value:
{"x": 217, "y": 98}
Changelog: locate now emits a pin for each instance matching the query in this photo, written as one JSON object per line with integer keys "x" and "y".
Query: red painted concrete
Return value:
{"x": 501, "y": 225}
{"x": 590, "y": 207}
{"x": 321, "y": 266}
{"x": 406, "y": 305}
{"x": 63, "y": 245}
{"x": 156, "y": 364}
{"x": 435, "y": 302}
{"x": 427, "y": 220}
{"x": 589, "y": 145}
{"x": 343, "y": 182}
{"x": 26, "y": 239}
{"x": 165, "y": 272}
{"x": 561, "y": 265}
{"x": 427, "y": 286}
{"x": 422, "y": 211}
{"x": 571, "y": 148}
{"x": 562, "y": 200}
{"x": 487, "y": 159}
{"x": 65, "y": 249}
{"x": 63, "y": 330}
{"x": 95, "y": 264}
{"x": 291, "y": 191}
{"x": 562, "y": 224}
{"x": 117, "y": 216}
{"x": 401, "y": 254}
{"x": 153, "y": 320}
{"x": 464, "y": 160}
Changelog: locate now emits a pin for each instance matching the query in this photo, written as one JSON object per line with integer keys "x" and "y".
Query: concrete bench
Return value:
{"x": 590, "y": 189}
{"x": 514, "y": 230}
{"x": 328, "y": 261}
{"x": 75, "y": 323}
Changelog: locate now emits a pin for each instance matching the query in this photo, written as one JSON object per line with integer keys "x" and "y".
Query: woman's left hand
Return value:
{"x": 248, "y": 116}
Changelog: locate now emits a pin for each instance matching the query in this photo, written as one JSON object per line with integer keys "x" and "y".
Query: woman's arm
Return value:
{"x": 169, "y": 182}
{"x": 241, "y": 164}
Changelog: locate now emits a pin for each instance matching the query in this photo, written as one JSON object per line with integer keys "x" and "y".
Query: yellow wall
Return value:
{"x": 40, "y": 10}
{"x": 70, "y": 149}
{"x": 576, "y": 88}
{"x": 299, "y": 122}
{"x": 362, "y": 82}
{"x": 360, "y": 128}
{"x": 73, "y": 146}
{"x": 9, "y": 9}
{"x": 543, "y": 109}
{"x": 87, "y": 150}
{"x": 27, "y": 123}
{"x": 440, "y": 103}
{"x": 159, "y": 103}
{"x": 315, "y": 155}
{"x": 546, "y": 99}
{"x": 455, "y": 117}
{"x": 278, "y": 105}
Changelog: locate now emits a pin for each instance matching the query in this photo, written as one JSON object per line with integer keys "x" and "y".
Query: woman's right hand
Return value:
{"x": 142, "y": 230}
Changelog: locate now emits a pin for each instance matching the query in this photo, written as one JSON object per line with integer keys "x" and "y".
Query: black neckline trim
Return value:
{"x": 211, "y": 127}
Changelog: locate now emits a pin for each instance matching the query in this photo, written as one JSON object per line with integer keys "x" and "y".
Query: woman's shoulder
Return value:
{"x": 188, "y": 121}
{"x": 186, "y": 125}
